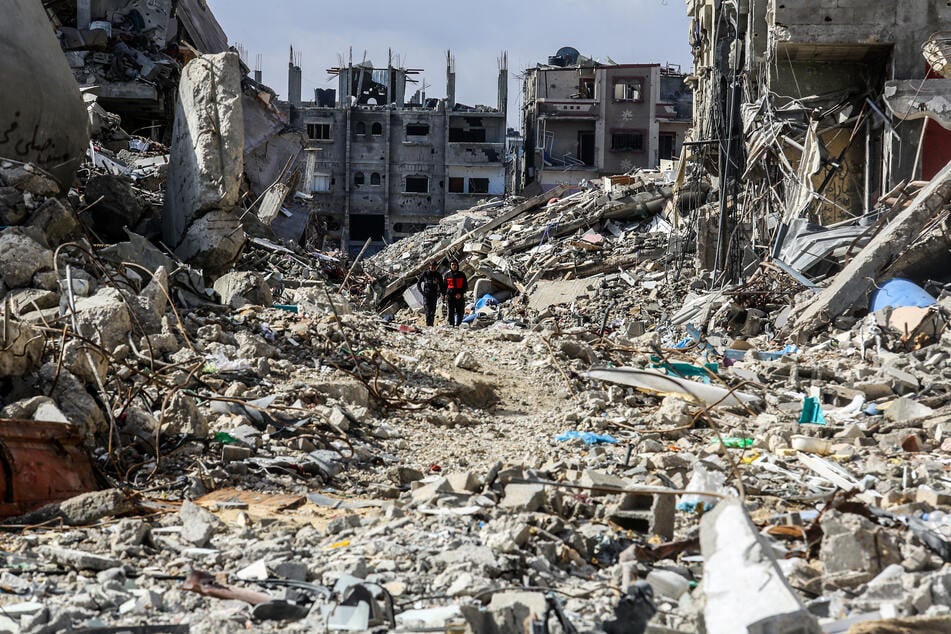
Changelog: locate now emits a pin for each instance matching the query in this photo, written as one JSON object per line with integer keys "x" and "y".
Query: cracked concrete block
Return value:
{"x": 207, "y": 153}
{"x": 738, "y": 564}
{"x": 526, "y": 498}
{"x": 149, "y": 306}
{"x": 21, "y": 257}
{"x": 198, "y": 524}
{"x": 431, "y": 490}
{"x": 182, "y": 416}
{"x": 73, "y": 400}
{"x": 26, "y": 300}
{"x": 466, "y": 361}
{"x": 349, "y": 391}
{"x": 213, "y": 241}
{"x": 243, "y": 287}
{"x": 854, "y": 549}
{"x": 78, "y": 559}
{"x": 104, "y": 318}
{"x": 57, "y": 221}
{"x": 77, "y": 356}
{"x": 21, "y": 349}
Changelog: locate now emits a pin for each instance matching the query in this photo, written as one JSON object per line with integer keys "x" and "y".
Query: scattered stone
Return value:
{"x": 198, "y": 524}
{"x": 78, "y": 559}
{"x": 466, "y": 361}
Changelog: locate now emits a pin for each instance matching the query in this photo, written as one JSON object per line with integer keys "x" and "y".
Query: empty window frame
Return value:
{"x": 628, "y": 88}
{"x": 467, "y": 135}
{"x": 319, "y": 131}
{"x": 376, "y": 129}
{"x": 361, "y": 128}
{"x": 457, "y": 185}
{"x": 665, "y": 145}
{"x": 358, "y": 178}
{"x": 478, "y": 185}
{"x": 375, "y": 178}
{"x": 417, "y": 185}
{"x": 627, "y": 140}
{"x": 417, "y": 129}
{"x": 586, "y": 87}
{"x": 322, "y": 182}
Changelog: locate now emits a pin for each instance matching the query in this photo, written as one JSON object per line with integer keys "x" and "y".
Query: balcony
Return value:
{"x": 568, "y": 108}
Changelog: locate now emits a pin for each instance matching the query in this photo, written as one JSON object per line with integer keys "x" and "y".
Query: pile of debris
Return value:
{"x": 207, "y": 427}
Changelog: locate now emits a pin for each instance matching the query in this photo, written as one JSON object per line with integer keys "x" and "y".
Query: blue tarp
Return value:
{"x": 482, "y": 302}
{"x": 899, "y": 292}
{"x": 589, "y": 438}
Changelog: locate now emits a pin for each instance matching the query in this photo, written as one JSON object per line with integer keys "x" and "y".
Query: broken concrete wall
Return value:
{"x": 207, "y": 161}
{"x": 42, "y": 117}
{"x": 268, "y": 144}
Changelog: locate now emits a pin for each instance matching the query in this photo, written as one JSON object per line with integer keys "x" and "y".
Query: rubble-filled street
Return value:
{"x": 712, "y": 398}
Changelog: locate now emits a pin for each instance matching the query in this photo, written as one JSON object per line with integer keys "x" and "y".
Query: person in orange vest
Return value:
{"x": 456, "y": 287}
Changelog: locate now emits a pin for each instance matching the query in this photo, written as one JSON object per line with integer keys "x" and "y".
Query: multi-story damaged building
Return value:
{"x": 584, "y": 119}
{"x": 812, "y": 110}
{"x": 380, "y": 164}
{"x": 129, "y": 53}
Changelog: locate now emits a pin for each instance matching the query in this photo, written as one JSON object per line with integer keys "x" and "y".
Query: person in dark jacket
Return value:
{"x": 430, "y": 284}
{"x": 456, "y": 287}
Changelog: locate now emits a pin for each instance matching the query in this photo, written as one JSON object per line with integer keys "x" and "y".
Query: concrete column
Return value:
{"x": 450, "y": 81}
{"x": 504, "y": 85}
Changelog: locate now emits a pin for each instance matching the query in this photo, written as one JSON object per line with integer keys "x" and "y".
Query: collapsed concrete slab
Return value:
{"x": 739, "y": 566}
{"x": 42, "y": 117}
{"x": 853, "y": 283}
{"x": 206, "y": 160}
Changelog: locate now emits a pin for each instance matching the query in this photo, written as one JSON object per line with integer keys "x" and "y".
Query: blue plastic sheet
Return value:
{"x": 482, "y": 302}
{"x": 589, "y": 438}
{"x": 812, "y": 412}
{"x": 899, "y": 292}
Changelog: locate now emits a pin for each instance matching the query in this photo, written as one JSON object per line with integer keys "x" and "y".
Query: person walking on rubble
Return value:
{"x": 456, "y": 287}
{"x": 431, "y": 285}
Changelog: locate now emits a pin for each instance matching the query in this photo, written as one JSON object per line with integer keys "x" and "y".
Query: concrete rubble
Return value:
{"x": 616, "y": 440}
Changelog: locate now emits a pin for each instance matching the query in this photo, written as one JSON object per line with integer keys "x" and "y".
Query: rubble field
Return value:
{"x": 208, "y": 426}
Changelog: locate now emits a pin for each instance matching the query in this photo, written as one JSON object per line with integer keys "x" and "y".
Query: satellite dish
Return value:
{"x": 569, "y": 54}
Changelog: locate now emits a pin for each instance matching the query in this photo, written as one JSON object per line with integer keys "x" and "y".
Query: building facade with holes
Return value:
{"x": 582, "y": 119}
{"x": 379, "y": 165}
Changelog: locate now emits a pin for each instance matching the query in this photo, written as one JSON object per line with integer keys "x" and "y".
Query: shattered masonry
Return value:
{"x": 709, "y": 397}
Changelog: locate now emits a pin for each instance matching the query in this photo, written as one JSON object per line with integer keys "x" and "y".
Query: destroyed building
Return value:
{"x": 818, "y": 107}
{"x": 621, "y": 437}
{"x": 584, "y": 119}
{"x": 381, "y": 163}
{"x": 130, "y": 52}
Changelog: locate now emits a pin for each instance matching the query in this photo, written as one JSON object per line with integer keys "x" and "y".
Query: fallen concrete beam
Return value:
{"x": 854, "y": 282}
{"x": 739, "y": 567}
{"x": 528, "y": 205}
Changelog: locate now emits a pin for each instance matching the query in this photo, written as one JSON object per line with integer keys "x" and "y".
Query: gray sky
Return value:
{"x": 420, "y": 32}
